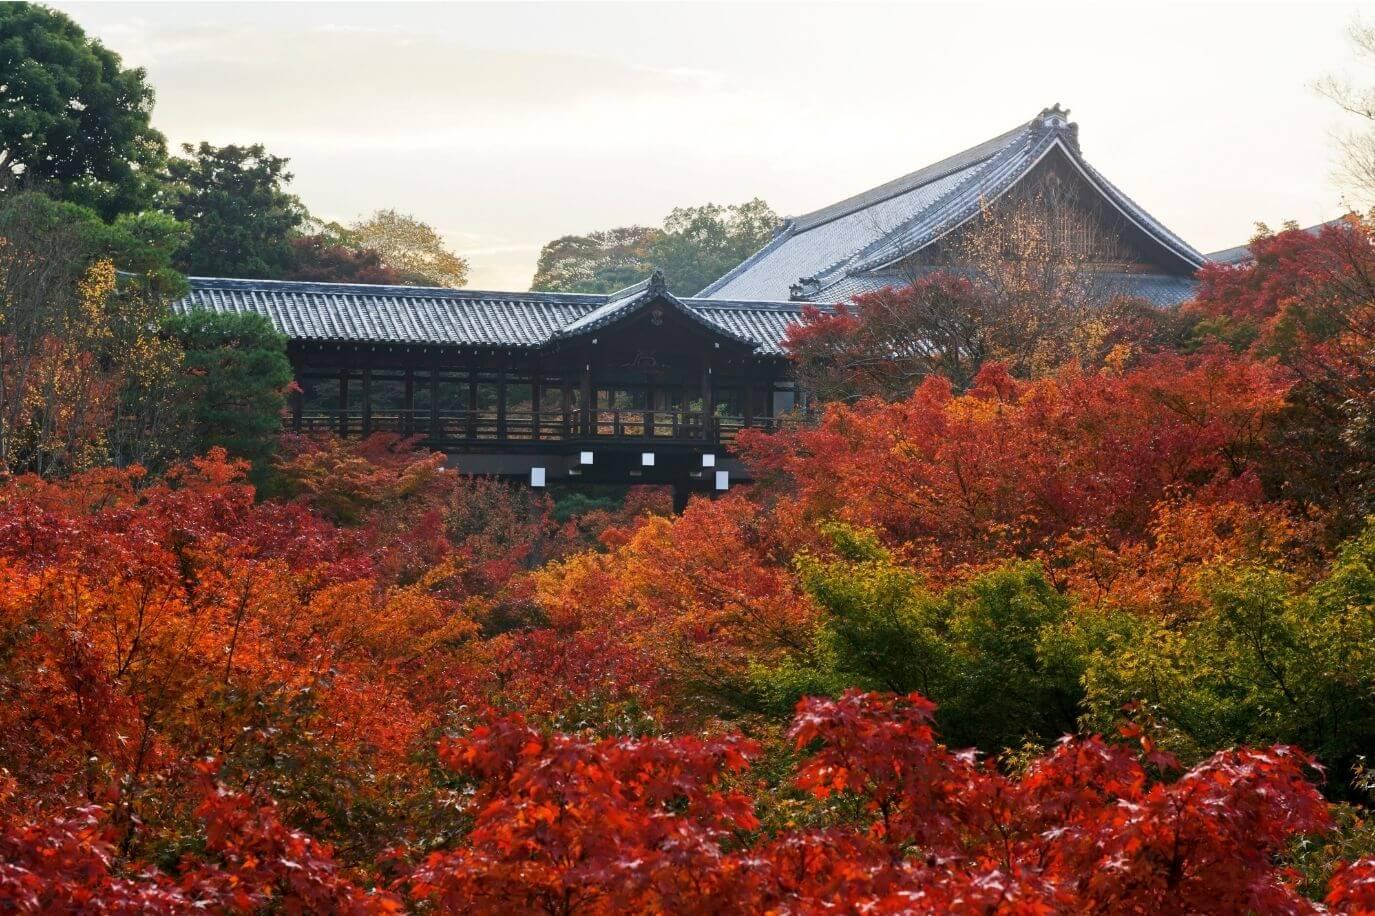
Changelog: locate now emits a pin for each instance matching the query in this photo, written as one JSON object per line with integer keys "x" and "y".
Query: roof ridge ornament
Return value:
{"x": 656, "y": 285}
{"x": 1056, "y": 120}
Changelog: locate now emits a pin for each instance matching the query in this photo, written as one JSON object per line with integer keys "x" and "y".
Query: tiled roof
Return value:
{"x": 828, "y": 252}
{"x": 1157, "y": 289}
{"x": 328, "y": 312}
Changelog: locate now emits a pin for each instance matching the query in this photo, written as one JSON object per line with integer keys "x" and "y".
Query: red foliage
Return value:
{"x": 1012, "y": 466}
{"x": 571, "y": 825}
{"x": 566, "y": 824}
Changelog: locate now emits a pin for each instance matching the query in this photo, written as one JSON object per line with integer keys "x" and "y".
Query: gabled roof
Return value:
{"x": 823, "y": 255}
{"x": 632, "y": 299}
{"x": 361, "y": 313}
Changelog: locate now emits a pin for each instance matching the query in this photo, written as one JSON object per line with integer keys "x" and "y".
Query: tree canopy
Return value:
{"x": 73, "y": 120}
{"x": 695, "y": 246}
{"x": 409, "y": 247}
{"x": 241, "y": 217}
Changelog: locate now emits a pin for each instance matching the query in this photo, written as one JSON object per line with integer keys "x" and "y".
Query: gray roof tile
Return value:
{"x": 838, "y": 244}
{"x": 450, "y": 317}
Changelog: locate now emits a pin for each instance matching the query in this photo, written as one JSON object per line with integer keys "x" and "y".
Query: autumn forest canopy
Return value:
{"x": 1070, "y": 609}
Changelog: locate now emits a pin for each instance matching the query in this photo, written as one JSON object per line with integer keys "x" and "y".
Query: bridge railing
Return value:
{"x": 479, "y": 426}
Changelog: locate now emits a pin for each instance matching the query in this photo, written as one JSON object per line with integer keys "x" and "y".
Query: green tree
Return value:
{"x": 73, "y": 121}
{"x": 695, "y": 246}
{"x": 241, "y": 217}
{"x": 700, "y": 244}
{"x": 238, "y": 375}
{"x": 992, "y": 652}
{"x": 599, "y": 262}
{"x": 1269, "y": 661}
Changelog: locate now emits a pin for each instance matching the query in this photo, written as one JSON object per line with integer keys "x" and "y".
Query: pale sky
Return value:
{"x": 507, "y": 125}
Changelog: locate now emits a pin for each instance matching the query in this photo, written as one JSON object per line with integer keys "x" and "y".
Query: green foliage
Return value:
{"x": 599, "y": 262}
{"x": 695, "y": 246}
{"x": 1269, "y": 661}
{"x": 239, "y": 374}
{"x": 73, "y": 121}
{"x": 700, "y": 244}
{"x": 241, "y": 218}
{"x": 997, "y": 653}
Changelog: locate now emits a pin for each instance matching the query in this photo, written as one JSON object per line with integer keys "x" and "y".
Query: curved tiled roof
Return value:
{"x": 829, "y": 251}
{"x": 360, "y": 313}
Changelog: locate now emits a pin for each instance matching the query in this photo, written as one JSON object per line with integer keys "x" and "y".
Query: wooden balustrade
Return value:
{"x": 477, "y": 426}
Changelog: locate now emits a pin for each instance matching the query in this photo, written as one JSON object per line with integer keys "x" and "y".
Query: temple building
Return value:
{"x": 645, "y": 386}
{"x": 888, "y": 234}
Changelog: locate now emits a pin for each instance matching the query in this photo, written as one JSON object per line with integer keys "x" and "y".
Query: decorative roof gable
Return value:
{"x": 824, "y": 255}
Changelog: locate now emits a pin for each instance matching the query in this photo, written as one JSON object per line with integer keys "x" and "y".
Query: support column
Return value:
{"x": 567, "y": 384}
{"x": 472, "y": 401}
{"x": 535, "y": 404}
{"x": 682, "y": 491}
{"x": 367, "y": 402}
{"x": 343, "y": 403}
{"x": 297, "y": 408}
{"x": 586, "y": 405}
{"x": 408, "y": 405}
{"x": 708, "y": 406}
{"x": 749, "y": 394}
{"x": 501, "y": 399}
{"x": 434, "y": 402}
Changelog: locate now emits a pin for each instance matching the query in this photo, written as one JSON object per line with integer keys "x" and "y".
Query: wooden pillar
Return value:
{"x": 367, "y": 402}
{"x": 586, "y": 405}
{"x": 749, "y": 394}
{"x": 708, "y": 408}
{"x": 534, "y": 403}
{"x": 297, "y": 408}
{"x": 472, "y": 399}
{"x": 567, "y": 406}
{"x": 408, "y": 404}
{"x": 501, "y": 399}
{"x": 343, "y": 402}
{"x": 434, "y": 401}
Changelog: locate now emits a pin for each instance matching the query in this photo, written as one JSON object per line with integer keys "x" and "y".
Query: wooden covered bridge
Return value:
{"x": 639, "y": 386}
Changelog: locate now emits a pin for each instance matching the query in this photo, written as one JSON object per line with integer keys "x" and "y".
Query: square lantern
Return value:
{"x": 708, "y": 460}
{"x": 585, "y": 458}
{"x": 537, "y": 477}
{"x": 647, "y": 459}
{"x": 723, "y": 480}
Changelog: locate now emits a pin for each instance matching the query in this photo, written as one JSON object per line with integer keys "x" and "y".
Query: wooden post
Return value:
{"x": 434, "y": 402}
{"x": 367, "y": 402}
{"x": 534, "y": 403}
{"x": 708, "y": 408}
{"x": 297, "y": 408}
{"x": 501, "y": 399}
{"x": 472, "y": 401}
{"x": 586, "y": 405}
{"x": 343, "y": 402}
{"x": 749, "y": 395}
{"x": 567, "y": 406}
{"x": 408, "y": 405}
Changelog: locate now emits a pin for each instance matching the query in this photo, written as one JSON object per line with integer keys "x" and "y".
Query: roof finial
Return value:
{"x": 1056, "y": 119}
{"x": 657, "y": 284}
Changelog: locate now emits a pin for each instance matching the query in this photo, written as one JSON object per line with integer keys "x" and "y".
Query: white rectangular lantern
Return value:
{"x": 585, "y": 458}
{"x": 708, "y": 461}
{"x": 723, "y": 480}
{"x": 647, "y": 459}
{"x": 537, "y": 477}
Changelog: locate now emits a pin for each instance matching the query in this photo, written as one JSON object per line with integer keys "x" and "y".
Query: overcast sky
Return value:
{"x": 508, "y": 125}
